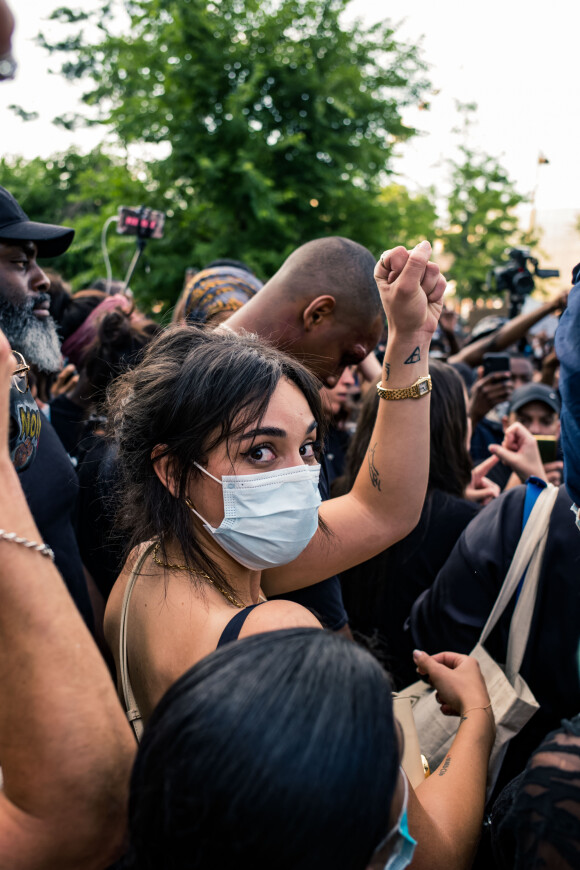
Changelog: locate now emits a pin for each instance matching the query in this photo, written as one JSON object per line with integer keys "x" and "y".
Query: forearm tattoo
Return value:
{"x": 445, "y": 767}
{"x": 415, "y": 357}
{"x": 373, "y": 470}
{"x": 387, "y": 371}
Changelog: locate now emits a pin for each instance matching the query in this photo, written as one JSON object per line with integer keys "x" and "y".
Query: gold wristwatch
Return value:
{"x": 420, "y": 388}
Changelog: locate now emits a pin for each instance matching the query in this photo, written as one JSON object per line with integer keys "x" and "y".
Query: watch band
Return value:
{"x": 421, "y": 387}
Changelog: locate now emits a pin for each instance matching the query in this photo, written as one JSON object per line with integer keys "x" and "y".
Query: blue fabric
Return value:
{"x": 568, "y": 351}
{"x": 534, "y": 486}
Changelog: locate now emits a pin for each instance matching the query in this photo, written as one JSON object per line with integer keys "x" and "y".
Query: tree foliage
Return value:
{"x": 273, "y": 123}
{"x": 256, "y": 126}
{"x": 81, "y": 191}
{"x": 407, "y": 218}
{"x": 481, "y": 220}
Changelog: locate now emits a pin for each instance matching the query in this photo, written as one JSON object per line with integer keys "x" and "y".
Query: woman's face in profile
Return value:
{"x": 286, "y": 436}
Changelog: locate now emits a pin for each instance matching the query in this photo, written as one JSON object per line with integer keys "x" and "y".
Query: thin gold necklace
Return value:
{"x": 227, "y": 595}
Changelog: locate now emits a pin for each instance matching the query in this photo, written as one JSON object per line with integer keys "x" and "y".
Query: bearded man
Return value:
{"x": 24, "y": 299}
{"x": 50, "y": 483}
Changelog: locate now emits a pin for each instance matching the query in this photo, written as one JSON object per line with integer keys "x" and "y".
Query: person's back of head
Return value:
{"x": 335, "y": 265}
{"x": 277, "y": 751}
{"x": 115, "y": 349}
{"x": 74, "y": 310}
{"x": 214, "y": 293}
{"x": 322, "y": 306}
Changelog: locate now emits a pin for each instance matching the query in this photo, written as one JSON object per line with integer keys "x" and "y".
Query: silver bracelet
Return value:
{"x": 43, "y": 549}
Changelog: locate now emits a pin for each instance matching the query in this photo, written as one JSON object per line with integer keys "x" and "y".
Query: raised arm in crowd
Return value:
{"x": 65, "y": 746}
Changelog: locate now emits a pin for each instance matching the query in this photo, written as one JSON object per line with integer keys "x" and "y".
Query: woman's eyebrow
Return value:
{"x": 271, "y": 431}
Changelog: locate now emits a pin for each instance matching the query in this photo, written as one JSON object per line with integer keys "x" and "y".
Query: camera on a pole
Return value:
{"x": 516, "y": 278}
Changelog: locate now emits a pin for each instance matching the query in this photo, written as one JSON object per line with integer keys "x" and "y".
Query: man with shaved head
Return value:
{"x": 323, "y": 307}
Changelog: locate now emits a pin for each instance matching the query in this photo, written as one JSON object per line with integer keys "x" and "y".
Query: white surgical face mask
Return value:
{"x": 269, "y": 518}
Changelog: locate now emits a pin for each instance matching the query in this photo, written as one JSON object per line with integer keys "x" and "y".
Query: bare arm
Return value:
{"x": 65, "y": 746}
{"x": 387, "y": 497}
{"x": 510, "y": 332}
{"x": 446, "y": 810}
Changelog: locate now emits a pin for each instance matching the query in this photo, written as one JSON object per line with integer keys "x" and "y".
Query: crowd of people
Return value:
{"x": 227, "y": 540}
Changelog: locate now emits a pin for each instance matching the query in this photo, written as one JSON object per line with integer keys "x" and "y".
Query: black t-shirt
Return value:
{"x": 379, "y": 593}
{"x": 452, "y": 613}
{"x": 67, "y": 420}
{"x": 51, "y": 489}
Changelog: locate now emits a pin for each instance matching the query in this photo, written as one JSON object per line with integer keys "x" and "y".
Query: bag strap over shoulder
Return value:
{"x": 524, "y": 610}
{"x": 131, "y": 707}
{"x": 534, "y": 486}
{"x": 532, "y": 543}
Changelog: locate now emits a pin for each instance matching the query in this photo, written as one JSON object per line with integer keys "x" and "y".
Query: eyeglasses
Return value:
{"x": 20, "y": 374}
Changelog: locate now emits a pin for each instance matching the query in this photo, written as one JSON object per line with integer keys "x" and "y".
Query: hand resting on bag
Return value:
{"x": 457, "y": 680}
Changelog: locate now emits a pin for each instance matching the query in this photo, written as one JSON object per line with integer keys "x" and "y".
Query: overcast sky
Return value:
{"x": 520, "y": 61}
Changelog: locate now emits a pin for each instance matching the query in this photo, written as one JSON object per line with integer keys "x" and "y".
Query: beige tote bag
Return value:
{"x": 512, "y": 701}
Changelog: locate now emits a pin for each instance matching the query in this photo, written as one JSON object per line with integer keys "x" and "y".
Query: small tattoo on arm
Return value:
{"x": 414, "y": 358}
{"x": 446, "y": 764}
{"x": 373, "y": 470}
{"x": 387, "y": 371}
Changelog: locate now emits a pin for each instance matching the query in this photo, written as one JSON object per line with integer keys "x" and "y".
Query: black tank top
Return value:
{"x": 234, "y": 626}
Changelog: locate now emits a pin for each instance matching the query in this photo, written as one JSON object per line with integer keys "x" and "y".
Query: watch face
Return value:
{"x": 423, "y": 388}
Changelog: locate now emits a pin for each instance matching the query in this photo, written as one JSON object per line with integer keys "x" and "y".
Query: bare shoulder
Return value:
{"x": 275, "y": 615}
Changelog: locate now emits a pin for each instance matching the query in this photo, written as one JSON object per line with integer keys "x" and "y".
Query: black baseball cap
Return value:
{"x": 535, "y": 393}
{"x": 49, "y": 239}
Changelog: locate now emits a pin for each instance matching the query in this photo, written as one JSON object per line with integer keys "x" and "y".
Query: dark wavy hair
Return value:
{"x": 193, "y": 390}
{"x": 449, "y": 461}
{"x": 116, "y": 348}
{"x": 278, "y": 750}
{"x": 71, "y": 311}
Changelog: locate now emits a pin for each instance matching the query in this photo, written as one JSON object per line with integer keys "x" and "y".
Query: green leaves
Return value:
{"x": 275, "y": 121}
{"x": 482, "y": 221}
